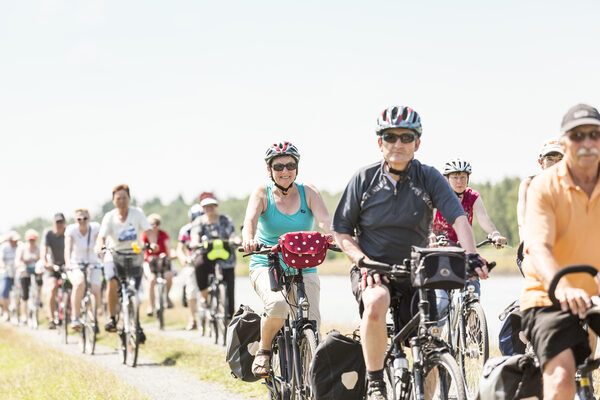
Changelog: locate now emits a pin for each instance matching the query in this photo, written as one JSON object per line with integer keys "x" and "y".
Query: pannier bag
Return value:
{"x": 304, "y": 249}
{"x": 511, "y": 377}
{"x": 337, "y": 370}
{"x": 243, "y": 337}
{"x": 508, "y": 338}
{"x": 438, "y": 268}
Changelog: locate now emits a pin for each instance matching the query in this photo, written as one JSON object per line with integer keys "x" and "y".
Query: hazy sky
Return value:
{"x": 184, "y": 96}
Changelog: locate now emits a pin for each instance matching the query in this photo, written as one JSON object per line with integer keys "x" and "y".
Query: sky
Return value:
{"x": 181, "y": 97}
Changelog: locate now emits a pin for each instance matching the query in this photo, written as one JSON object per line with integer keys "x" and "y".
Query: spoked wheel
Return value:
{"x": 63, "y": 315}
{"x": 213, "y": 311}
{"x": 473, "y": 342}
{"x": 89, "y": 325}
{"x": 132, "y": 336}
{"x": 278, "y": 388}
{"x": 32, "y": 308}
{"x": 14, "y": 305}
{"x": 221, "y": 314}
{"x": 307, "y": 349}
{"x": 442, "y": 379}
{"x": 159, "y": 299}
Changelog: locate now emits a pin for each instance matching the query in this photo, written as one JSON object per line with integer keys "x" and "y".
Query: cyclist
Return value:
{"x": 52, "y": 252}
{"x": 164, "y": 251}
{"x": 550, "y": 153}
{"x": 123, "y": 227}
{"x": 79, "y": 249}
{"x": 212, "y": 225}
{"x": 273, "y": 210}
{"x": 457, "y": 172}
{"x": 563, "y": 210}
{"x": 189, "y": 272}
{"x": 8, "y": 252}
{"x": 26, "y": 258}
{"x": 387, "y": 207}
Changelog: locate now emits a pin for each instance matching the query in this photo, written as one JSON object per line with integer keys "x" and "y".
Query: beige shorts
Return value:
{"x": 76, "y": 277}
{"x": 275, "y": 305}
{"x": 191, "y": 285}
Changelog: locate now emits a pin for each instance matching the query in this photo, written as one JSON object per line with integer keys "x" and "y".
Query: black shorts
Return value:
{"x": 551, "y": 331}
{"x": 402, "y": 294}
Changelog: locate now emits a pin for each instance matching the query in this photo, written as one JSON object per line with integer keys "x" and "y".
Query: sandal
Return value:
{"x": 262, "y": 363}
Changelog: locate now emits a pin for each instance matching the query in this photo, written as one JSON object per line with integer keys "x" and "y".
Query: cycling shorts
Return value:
{"x": 76, "y": 276}
{"x": 109, "y": 273}
{"x": 6, "y": 283}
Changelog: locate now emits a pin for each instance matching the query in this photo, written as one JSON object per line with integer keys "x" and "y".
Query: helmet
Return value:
{"x": 551, "y": 146}
{"x": 399, "y": 117}
{"x": 195, "y": 211}
{"x": 281, "y": 149}
{"x": 456, "y": 165}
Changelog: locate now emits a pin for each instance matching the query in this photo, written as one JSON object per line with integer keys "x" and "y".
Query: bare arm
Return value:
{"x": 181, "y": 253}
{"x": 485, "y": 222}
{"x": 68, "y": 249}
{"x": 100, "y": 243}
{"x": 317, "y": 206}
{"x": 152, "y": 239}
{"x": 467, "y": 240}
{"x": 257, "y": 204}
{"x": 521, "y": 205}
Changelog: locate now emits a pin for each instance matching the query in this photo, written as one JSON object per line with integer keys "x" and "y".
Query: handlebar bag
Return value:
{"x": 337, "y": 370}
{"x": 438, "y": 268}
{"x": 243, "y": 337}
{"x": 304, "y": 249}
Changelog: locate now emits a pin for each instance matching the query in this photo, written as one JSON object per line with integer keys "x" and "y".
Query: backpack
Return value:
{"x": 243, "y": 337}
{"x": 337, "y": 370}
{"x": 511, "y": 377}
{"x": 508, "y": 338}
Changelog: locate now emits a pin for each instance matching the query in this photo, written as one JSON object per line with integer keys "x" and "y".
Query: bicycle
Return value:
{"x": 14, "y": 302}
{"x": 128, "y": 267}
{"x": 158, "y": 266}
{"x": 89, "y": 312}
{"x": 432, "y": 356}
{"x": 214, "y": 319}
{"x": 33, "y": 302}
{"x": 62, "y": 315}
{"x": 295, "y": 344}
{"x": 467, "y": 333}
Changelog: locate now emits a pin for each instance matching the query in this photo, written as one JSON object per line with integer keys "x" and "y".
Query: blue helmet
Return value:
{"x": 399, "y": 117}
{"x": 195, "y": 211}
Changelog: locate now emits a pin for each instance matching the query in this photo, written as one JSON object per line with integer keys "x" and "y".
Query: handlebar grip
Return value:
{"x": 491, "y": 265}
{"x": 565, "y": 271}
{"x": 373, "y": 264}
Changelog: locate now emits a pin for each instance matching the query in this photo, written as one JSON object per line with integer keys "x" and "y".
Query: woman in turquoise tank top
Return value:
{"x": 274, "y": 209}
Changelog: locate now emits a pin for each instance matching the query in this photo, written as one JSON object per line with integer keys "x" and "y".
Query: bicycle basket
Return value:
{"x": 438, "y": 268}
{"x": 159, "y": 264}
{"x": 304, "y": 249}
{"x": 128, "y": 265}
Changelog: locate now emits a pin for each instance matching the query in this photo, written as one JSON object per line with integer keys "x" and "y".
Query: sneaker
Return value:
{"x": 191, "y": 326}
{"x": 76, "y": 324}
{"x": 142, "y": 336}
{"x": 51, "y": 325}
{"x": 170, "y": 303}
{"x": 5, "y": 317}
{"x": 111, "y": 325}
{"x": 377, "y": 391}
{"x": 149, "y": 311}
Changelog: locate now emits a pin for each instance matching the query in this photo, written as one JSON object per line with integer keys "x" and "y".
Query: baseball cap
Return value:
{"x": 31, "y": 234}
{"x": 207, "y": 198}
{"x": 59, "y": 217}
{"x": 551, "y": 146}
{"x": 581, "y": 114}
{"x": 13, "y": 235}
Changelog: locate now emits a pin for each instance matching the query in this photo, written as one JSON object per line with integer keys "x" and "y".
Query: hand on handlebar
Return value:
{"x": 250, "y": 245}
{"x": 498, "y": 241}
{"x": 370, "y": 278}
{"x": 478, "y": 265}
{"x": 571, "y": 298}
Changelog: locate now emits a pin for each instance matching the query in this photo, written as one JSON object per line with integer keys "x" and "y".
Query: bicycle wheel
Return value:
{"x": 65, "y": 308}
{"x": 307, "y": 349}
{"x": 159, "y": 293}
{"x": 32, "y": 306}
{"x": 473, "y": 342}
{"x": 221, "y": 315}
{"x": 133, "y": 333}
{"x": 14, "y": 305}
{"x": 213, "y": 310}
{"x": 441, "y": 379}
{"x": 90, "y": 324}
{"x": 279, "y": 381}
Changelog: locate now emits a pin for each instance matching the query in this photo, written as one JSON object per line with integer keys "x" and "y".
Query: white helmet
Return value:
{"x": 456, "y": 165}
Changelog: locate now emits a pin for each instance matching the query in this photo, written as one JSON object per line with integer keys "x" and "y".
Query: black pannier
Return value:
{"x": 438, "y": 268}
{"x": 337, "y": 370}
{"x": 243, "y": 337}
{"x": 511, "y": 377}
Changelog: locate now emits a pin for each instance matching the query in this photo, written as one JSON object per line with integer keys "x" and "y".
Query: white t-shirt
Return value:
{"x": 122, "y": 235}
{"x": 8, "y": 255}
{"x": 83, "y": 246}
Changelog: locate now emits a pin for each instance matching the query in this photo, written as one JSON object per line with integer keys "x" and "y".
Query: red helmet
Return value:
{"x": 281, "y": 149}
{"x": 399, "y": 117}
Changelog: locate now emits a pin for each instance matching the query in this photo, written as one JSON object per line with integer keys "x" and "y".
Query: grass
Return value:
{"x": 30, "y": 370}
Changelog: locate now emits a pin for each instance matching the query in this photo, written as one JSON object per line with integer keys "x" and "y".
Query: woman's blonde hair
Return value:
{"x": 154, "y": 217}
{"x": 82, "y": 210}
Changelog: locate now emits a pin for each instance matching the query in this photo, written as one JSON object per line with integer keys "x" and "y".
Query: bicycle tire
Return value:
{"x": 307, "y": 349}
{"x": 90, "y": 324}
{"x": 65, "y": 315}
{"x": 221, "y": 315}
{"x": 447, "y": 375}
{"x": 32, "y": 307}
{"x": 14, "y": 306}
{"x": 473, "y": 342}
{"x": 279, "y": 381}
{"x": 132, "y": 334}
{"x": 159, "y": 304}
{"x": 213, "y": 310}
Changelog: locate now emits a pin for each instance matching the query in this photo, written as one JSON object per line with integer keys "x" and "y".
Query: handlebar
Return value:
{"x": 266, "y": 249}
{"x": 566, "y": 271}
{"x": 396, "y": 270}
{"x": 443, "y": 241}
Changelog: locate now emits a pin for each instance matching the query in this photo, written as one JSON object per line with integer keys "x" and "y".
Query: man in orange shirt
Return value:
{"x": 562, "y": 215}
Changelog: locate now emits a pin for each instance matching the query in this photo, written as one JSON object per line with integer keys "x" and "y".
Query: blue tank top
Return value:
{"x": 273, "y": 223}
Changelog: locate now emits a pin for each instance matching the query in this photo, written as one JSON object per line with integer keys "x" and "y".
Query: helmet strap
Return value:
{"x": 401, "y": 173}
{"x": 284, "y": 190}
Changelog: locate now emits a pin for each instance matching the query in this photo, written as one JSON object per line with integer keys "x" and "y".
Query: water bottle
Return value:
{"x": 275, "y": 278}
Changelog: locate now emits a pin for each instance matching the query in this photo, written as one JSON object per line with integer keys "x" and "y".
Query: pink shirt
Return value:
{"x": 442, "y": 227}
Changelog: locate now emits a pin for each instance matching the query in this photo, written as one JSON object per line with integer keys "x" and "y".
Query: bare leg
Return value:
{"x": 373, "y": 329}
{"x": 151, "y": 283}
{"x": 112, "y": 296}
{"x": 559, "y": 376}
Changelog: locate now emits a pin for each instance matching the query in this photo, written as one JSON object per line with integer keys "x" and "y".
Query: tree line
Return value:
{"x": 500, "y": 199}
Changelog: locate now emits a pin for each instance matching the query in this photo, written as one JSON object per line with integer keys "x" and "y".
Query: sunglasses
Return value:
{"x": 291, "y": 166}
{"x": 580, "y": 136}
{"x": 393, "y": 138}
{"x": 82, "y": 218}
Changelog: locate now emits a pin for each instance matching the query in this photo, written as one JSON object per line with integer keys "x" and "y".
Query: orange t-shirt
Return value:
{"x": 561, "y": 216}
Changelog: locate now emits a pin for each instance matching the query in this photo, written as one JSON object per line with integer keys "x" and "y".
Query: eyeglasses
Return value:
{"x": 291, "y": 166}
{"x": 393, "y": 138}
{"x": 82, "y": 218}
{"x": 552, "y": 159}
{"x": 579, "y": 136}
